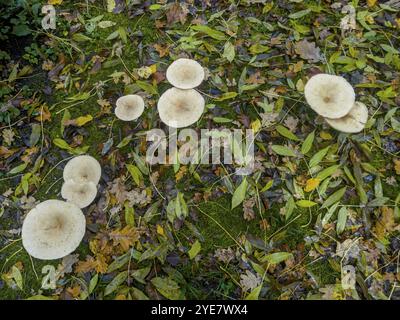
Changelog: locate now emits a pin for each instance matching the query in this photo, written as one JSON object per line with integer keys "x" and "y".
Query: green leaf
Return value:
{"x": 18, "y": 169}
{"x": 35, "y": 135}
{"x": 61, "y": 144}
{"x": 239, "y": 194}
{"x": 147, "y": 87}
{"x": 80, "y": 37}
{"x": 110, "y": 5}
{"x": 286, "y": 133}
{"x": 221, "y": 120}
{"x": 283, "y": 151}
{"x": 307, "y": 144}
{"x": 215, "y": 34}
{"x": 93, "y": 283}
{"x": 194, "y": 250}
{"x": 254, "y": 294}
{"x": 289, "y": 207}
{"x": 135, "y": 173}
{"x": 342, "y": 218}
{"x": 124, "y": 142}
{"x": 167, "y": 287}
{"x": 229, "y": 51}
{"x": 21, "y": 30}
{"x": 226, "y": 96}
{"x": 299, "y": 14}
{"x": 277, "y": 257}
{"x": 329, "y": 214}
{"x": 106, "y": 24}
{"x": 122, "y": 34}
{"x": 317, "y": 158}
{"x": 322, "y": 175}
{"x": 306, "y": 203}
{"x": 17, "y": 276}
{"x": 155, "y": 7}
{"x": 129, "y": 215}
{"x": 395, "y": 124}
{"x": 115, "y": 283}
{"x": 389, "y": 49}
{"x": 267, "y": 186}
{"x": 334, "y": 197}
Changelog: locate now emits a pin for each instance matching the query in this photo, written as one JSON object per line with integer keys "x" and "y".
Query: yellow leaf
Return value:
{"x": 311, "y": 184}
{"x": 179, "y": 175}
{"x": 153, "y": 68}
{"x": 160, "y": 230}
{"x": 371, "y": 3}
{"x": 397, "y": 166}
{"x": 325, "y": 135}
{"x": 256, "y": 125}
{"x": 110, "y": 5}
{"x": 44, "y": 114}
{"x": 125, "y": 237}
{"x": 55, "y": 2}
{"x": 74, "y": 291}
{"x": 80, "y": 121}
{"x": 385, "y": 224}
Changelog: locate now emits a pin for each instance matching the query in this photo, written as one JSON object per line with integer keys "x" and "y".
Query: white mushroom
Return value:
{"x": 129, "y": 107}
{"x": 82, "y": 169}
{"x": 185, "y": 74}
{"x": 53, "y": 229}
{"x": 353, "y": 122}
{"x": 80, "y": 193}
{"x": 180, "y": 108}
{"x": 330, "y": 96}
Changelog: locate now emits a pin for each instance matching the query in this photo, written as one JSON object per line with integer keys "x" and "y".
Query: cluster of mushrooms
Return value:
{"x": 55, "y": 228}
{"x": 178, "y": 107}
{"x": 333, "y": 98}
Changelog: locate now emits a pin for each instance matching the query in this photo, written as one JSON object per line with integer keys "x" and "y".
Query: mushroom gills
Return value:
{"x": 353, "y": 122}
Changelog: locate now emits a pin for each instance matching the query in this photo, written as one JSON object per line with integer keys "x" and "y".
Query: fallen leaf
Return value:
{"x": 308, "y": 50}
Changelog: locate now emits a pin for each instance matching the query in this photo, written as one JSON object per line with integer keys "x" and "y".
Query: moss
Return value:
{"x": 31, "y": 282}
{"x": 323, "y": 272}
{"x": 219, "y": 224}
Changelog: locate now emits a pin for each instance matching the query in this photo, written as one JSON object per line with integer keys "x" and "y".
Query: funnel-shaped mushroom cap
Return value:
{"x": 185, "y": 74}
{"x": 80, "y": 193}
{"x": 329, "y": 96}
{"x": 83, "y": 169}
{"x": 129, "y": 107}
{"x": 353, "y": 122}
{"x": 53, "y": 229}
{"x": 180, "y": 108}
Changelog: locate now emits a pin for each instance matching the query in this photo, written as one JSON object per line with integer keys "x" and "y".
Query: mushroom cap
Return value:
{"x": 53, "y": 229}
{"x": 80, "y": 193}
{"x": 82, "y": 169}
{"x": 185, "y": 74}
{"x": 330, "y": 96}
{"x": 180, "y": 108}
{"x": 353, "y": 122}
{"x": 129, "y": 107}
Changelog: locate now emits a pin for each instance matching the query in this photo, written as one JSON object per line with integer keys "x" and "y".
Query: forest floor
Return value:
{"x": 318, "y": 203}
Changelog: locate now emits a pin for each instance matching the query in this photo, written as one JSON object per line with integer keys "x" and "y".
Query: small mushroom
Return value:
{"x": 353, "y": 122}
{"x": 82, "y": 169}
{"x": 330, "y": 96}
{"x": 185, "y": 74}
{"x": 53, "y": 229}
{"x": 180, "y": 108}
{"x": 129, "y": 107}
{"x": 81, "y": 194}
